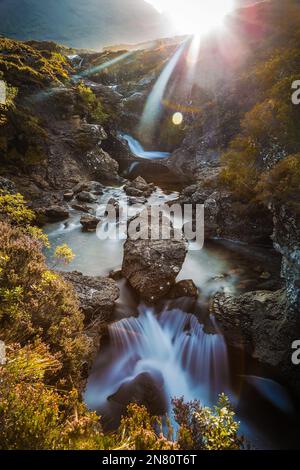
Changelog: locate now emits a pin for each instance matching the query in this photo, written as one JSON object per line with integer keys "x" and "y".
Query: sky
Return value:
{"x": 87, "y": 23}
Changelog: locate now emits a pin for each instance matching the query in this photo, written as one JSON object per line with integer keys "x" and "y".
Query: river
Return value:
{"x": 176, "y": 348}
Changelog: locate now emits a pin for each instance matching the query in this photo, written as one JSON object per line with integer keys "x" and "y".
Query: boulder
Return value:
{"x": 152, "y": 265}
{"x": 85, "y": 196}
{"x": 228, "y": 217}
{"x": 103, "y": 167}
{"x": 186, "y": 288}
{"x": 139, "y": 188}
{"x": 89, "y": 223}
{"x": 7, "y": 186}
{"x": 97, "y": 295}
{"x": 263, "y": 323}
{"x": 97, "y": 188}
{"x": 134, "y": 192}
{"x": 145, "y": 389}
{"x": 132, "y": 201}
{"x": 82, "y": 186}
{"x": 56, "y": 213}
{"x": 68, "y": 195}
{"x": 82, "y": 207}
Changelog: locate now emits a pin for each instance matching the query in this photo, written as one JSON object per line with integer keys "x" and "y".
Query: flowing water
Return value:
{"x": 137, "y": 149}
{"x": 176, "y": 349}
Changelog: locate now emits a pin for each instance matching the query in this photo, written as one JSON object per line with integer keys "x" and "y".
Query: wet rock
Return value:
{"x": 97, "y": 295}
{"x": 82, "y": 208}
{"x": 89, "y": 223}
{"x": 80, "y": 187}
{"x": 88, "y": 136}
{"x": 139, "y": 188}
{"x": 145, "y": 389}
{"x": 152, "y": 265}
{"x": 132, "y": 201}
{"x": 116, "y": 275}
{"x": 85, "y": 196}
{"x": 68, "y": 196}
{"x": 264, "y": 324}
{"x": 103, "y": 167}
{"x": 186, "y": 288}
{"x": 286, "y": 236}
{"x": 134, "y": 103}
{"x": 229, "y": 218}
{"x": 97, "y": 188}
{"x": 56, "y": 213}
{"x": 7, "y": 186}
{"x": 134, "y": 192}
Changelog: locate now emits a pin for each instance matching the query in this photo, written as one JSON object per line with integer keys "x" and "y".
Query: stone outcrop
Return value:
{"x": 97, "y": 296}
{"x": 263, "y": 323}
{"x": 152, "y": 265}
{"x": 286, "y": 238}
{"x": 229, "y": 218}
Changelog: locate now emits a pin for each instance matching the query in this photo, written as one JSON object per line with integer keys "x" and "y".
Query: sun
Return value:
{"x": 194, "y": 16}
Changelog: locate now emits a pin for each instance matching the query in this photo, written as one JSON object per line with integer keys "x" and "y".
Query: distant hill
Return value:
{"x": 84, "y": 24}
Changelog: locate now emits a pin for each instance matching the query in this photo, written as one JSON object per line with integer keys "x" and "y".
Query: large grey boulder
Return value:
{"x": 152, "y": 265}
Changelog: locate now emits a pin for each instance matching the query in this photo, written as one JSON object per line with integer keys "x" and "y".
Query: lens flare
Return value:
{"x": 194, "y": 16}
{"x": 177, "y": 119}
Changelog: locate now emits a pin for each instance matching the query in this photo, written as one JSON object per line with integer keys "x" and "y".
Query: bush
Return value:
{"x": 203, "y": 428}
{"x": 34, "y": 416}
{"x": 91, "y": 105}
{"x": 35, "y": 302}
{"x": 139, "y": 431}
{"x": 282, "y": 183}
{"x": 13, "y": 208}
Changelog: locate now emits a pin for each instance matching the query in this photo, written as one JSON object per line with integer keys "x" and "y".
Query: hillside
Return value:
{"x": 90, "y": 24}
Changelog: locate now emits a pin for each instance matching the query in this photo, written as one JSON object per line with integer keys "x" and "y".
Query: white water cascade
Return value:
{"x": 172, "y": 348}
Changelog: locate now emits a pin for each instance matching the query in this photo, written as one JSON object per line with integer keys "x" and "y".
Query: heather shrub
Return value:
{"x": 36, "y": 302}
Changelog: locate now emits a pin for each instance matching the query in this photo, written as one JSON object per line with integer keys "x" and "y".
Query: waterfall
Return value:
{"x": 173, "y": 349}
{"x": 137, "y": 149}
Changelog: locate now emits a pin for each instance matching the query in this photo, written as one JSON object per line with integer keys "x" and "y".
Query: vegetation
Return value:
{"x": 91, "y": 105}
{"x": 25, "y": 67}
{"x": 269, "y": 131}
{"x": 203, "y": 428}
{"x": 282, "y": 183}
